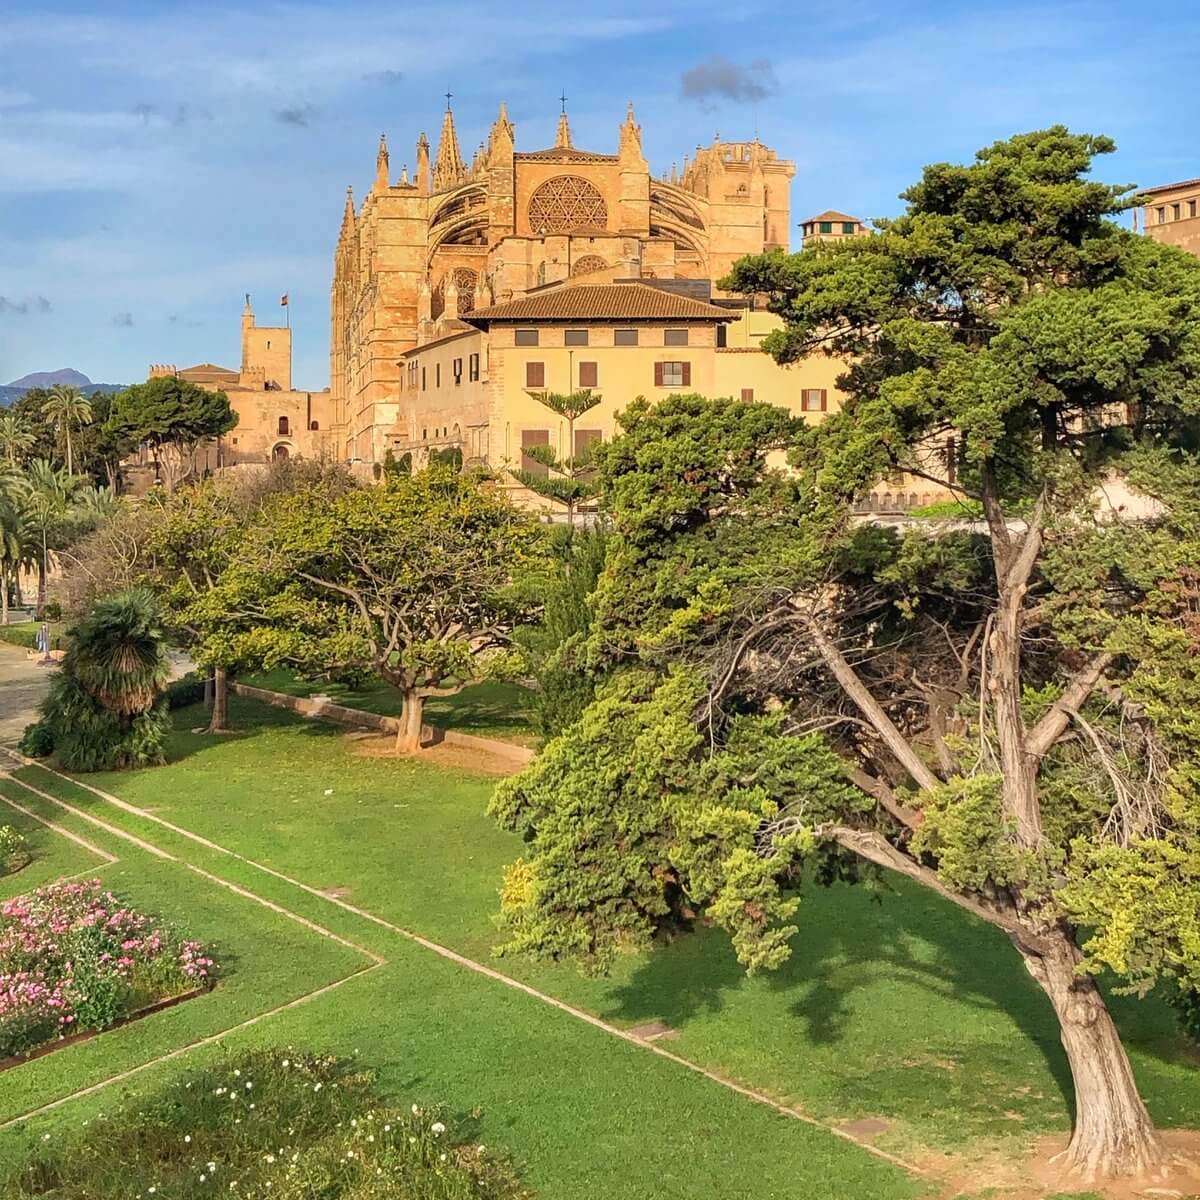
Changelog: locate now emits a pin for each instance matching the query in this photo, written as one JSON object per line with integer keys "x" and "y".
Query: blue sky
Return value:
{"x": 157, "y": 160}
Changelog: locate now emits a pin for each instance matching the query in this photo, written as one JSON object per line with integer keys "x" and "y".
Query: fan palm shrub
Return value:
{"x": 105, "y": 709}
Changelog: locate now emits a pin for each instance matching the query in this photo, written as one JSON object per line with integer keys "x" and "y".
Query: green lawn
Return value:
{"x": 906, "y": 1009}
{"x": 588, "y": 1115}
{"x": 492, "y": 708}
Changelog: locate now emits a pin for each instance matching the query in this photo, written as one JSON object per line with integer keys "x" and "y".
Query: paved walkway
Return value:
{"x": 23, "y": 683}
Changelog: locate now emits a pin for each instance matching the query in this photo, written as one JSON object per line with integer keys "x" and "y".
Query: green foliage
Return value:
{"x": 14, "y": 853}
{"x": 276, "y": 1122}
{"x": 402, "y": 465}
{"x": 553, "y": 648}
{"x": 183, "y": 693}
{"x": 633, "y": 829}
{"x": 103, "y": 709}
{"x": 571, "y": 479}
{"x": 451, "y": 458}
{"x": 415, "y": 580}
{"x": 172, "y": 415}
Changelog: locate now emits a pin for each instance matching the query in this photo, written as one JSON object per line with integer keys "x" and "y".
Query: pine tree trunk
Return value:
{"x": 1113, "y": 1134}
{"x": 408, "y": 735}
{"x": 220, "y": 708}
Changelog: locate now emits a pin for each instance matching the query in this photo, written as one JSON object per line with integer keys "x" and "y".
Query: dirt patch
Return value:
{"x": 866, "y": 1127}
{"x": 454, "y": 758}
{"x": 1037, "y": 1175}
{"x": 335, "y": 891}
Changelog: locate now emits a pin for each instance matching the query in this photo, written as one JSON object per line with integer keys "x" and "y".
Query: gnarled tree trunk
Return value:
{"x": 220, "y": 703}
{"x": 408, "y": 735}
{"x": 1113, "y": 1132}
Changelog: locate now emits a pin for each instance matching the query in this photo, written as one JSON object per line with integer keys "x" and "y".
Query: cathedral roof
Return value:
{"x": 564, "y": 154}
{"x": 601, "y": 302}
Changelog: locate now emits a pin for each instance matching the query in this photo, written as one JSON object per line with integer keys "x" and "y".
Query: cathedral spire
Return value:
{"x": 562, "y": 139}
{"x": 381, "y": 163}
{"x": 500, "y": 140}
{"x": 449, "y": 168}
{"x": 347, "y": 220}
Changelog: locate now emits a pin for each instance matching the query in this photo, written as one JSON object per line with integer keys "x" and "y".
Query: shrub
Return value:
{"x": 103, "y": 709}
{"x": 1187, "y": 1006}
{"x": 14, "y": 854}
{"x": 75, "y": 957}
{"x": 183, "y": 693}
{"x": 37, "y": 740}
{"x": 267, "y": 1123}
{"x": 53, "y": 611}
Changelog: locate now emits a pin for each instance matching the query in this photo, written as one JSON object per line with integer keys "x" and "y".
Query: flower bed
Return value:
{"x": 74, "y": 957}
{"x": 266, "y": 1124}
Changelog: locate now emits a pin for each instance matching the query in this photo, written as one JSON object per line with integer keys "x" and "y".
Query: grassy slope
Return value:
{"x": 905, "y": 1008}
{"x": 491, "y": 709}
{"x": 588, "y": 1115}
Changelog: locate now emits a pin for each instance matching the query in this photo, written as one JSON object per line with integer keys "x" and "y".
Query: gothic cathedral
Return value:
{"x": 461, "y": 236}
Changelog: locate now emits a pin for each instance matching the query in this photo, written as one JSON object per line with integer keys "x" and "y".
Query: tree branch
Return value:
{"x": 874, "y": 786}
{"x": 1057, "y": 717}
{"x": 870, "y": 708}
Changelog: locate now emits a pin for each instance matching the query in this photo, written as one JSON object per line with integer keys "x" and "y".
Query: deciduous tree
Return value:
{"x": 415, "y": 579}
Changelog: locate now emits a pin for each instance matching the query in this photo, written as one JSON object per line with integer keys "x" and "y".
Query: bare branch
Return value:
{"x": 1057, "y": 717}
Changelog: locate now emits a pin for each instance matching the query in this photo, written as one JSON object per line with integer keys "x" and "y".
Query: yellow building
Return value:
{"x": 469, "y": 236}
{"x": 469, "y": 387}
{"x": 275, "y": 420}
{"x": 1171, "y": 214}
{"x": 832, "y": 226}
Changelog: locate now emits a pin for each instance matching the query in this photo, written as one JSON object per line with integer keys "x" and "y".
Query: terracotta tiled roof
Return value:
{"x": 565, "y": 154}
{"x": 832, "y": 214}
{"x": 207, "y": 369}
{"x": 1169, "y": 187}
{"x": 601, "y": 302}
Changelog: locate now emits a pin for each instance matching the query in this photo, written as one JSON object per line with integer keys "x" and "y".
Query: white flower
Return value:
{"x": 370, "y": 1137}
{"x": 187, "y": 1137}
{"x": 212, "y": 1166}
{"x": 353, "y": 1123}
{"x": 203, "y": 1178}
{"x": 237, "y": 1073}
{"x": 45, "y": 1137}
{"x": 441, "y": 1158}
{"x": 437, "y": 1127}
{"x": 387, "y": 1129}
{"x": 152, "y": 1188}
{"x": 270, "y": 1158}
{"x": 416, "y": 1111}
{"x": 249, "y": 1085}
{"x": 316, "y": 1087}
{"x": 482, "y": 1147}
{"x": 285, "y": 1062}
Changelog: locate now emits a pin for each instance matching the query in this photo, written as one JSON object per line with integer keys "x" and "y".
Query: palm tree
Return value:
{"x": 46, "y": 494}
{"x": 15, "y": 541}
{"x": 68, "y": 407}
{"x": 15, "y": 436}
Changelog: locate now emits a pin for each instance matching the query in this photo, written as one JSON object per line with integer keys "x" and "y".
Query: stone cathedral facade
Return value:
{"x": 461, "y": 235}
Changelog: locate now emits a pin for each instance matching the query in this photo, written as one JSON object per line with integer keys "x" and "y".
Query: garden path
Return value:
{"x": 23, "y": 683}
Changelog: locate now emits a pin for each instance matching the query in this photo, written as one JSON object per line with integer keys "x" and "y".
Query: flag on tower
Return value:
{"x": 283, "y": 300}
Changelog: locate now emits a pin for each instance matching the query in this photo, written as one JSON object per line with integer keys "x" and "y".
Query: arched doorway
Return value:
{"x": 280, "y": 453}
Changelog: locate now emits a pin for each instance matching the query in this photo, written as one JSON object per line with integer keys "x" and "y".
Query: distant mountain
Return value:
{"x": 9, "y": 393}
{"x": 67, "y": 375}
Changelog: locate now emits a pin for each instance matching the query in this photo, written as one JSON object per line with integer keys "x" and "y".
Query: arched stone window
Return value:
{"x": 585, "y": 264}
{"x": 564, "y": 203}
{"x": 465, "y": 280}
{"x": 283, "y": 427}
{"x": 314, "y": 425}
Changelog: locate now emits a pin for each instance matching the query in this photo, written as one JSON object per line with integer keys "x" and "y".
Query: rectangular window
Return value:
{"x": 722, "y": 336}
{"x": 848, "y": 226}
{"x": 1176, "y": 212}
{"x": 527, "y": 337}
{"x": 1191, "y": 208}
{"x": 1161, "y": 213}
{"x": 422, "y": 379}
{"x": 747, "y": 395}
{"x": 575, "y": 337}
{"x": 675, "y": 337}
{"x": 585, "y": 440}
{"x": 672, "y": 374}
{"x": 534, "y": 437}
{"x": 812, "y": 400}
{"x": 625, "y": 337}
{"x": 826, "y": 226}
{"x": 437, "y": 375}
{"x": 589, "y": 375}
{"x": 535, "y": 374}
{"x": 473, "y": 368}
{"x": 457, "y": 371}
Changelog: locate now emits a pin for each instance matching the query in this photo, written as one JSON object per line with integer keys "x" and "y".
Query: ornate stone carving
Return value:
{"x": 587, "y": 263}
{"x": 564, "y": 203}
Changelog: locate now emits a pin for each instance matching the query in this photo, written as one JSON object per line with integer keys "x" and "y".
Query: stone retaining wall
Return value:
{"x": 325, "y": 710}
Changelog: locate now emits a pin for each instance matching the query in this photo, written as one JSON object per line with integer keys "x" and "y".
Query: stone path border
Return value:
{"x": 443, "y": 951}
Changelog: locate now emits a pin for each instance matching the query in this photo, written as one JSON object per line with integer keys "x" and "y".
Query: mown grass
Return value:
{"x": 493, "y": 708}
{"x": 585, "y": 1114}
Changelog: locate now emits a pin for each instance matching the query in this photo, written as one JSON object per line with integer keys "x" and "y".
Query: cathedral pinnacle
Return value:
{"x": 381, "y": 163}
{"x": 347, "y": 216}
{"x": 449, "y": 168}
